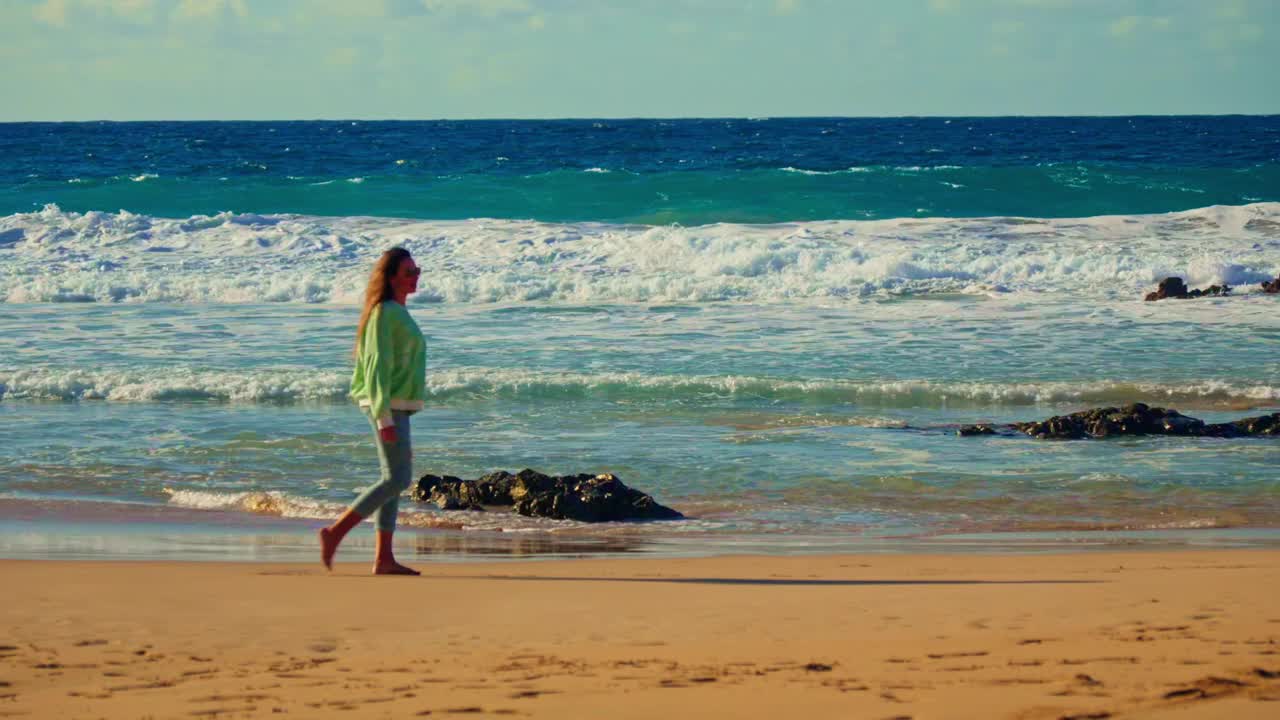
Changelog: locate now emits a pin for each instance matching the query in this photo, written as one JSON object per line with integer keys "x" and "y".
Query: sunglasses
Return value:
{"x": 413, "y": 272}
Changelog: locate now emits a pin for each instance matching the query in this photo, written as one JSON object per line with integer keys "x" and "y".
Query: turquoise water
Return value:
{"x": 691, "y": 172}
{"x": 833, "y": 424}
{"x": 781, "y": 347}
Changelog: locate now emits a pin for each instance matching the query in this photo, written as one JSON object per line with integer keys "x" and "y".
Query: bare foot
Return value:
{"x": 328, "y": 546}
{"x": 393, "y": 568}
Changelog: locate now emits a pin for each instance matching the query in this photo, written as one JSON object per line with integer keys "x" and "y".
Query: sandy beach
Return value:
{"x": 1094, "y": 635}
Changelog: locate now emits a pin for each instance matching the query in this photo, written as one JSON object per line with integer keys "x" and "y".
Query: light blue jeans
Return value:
{"x": 396, "y": 461}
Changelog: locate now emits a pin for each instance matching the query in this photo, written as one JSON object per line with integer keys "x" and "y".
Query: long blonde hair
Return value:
{"x": 379, "y": 288}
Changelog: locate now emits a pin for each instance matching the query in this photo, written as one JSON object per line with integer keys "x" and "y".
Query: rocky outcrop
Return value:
{"x": 1135, "y": 419}
{"x": 1261, "y": 425}
{"x": 1174, "y": 287}
{"x": 587, "y": 498}
{"x": 1272, "y": 287}
{"x": 448, "y": 493}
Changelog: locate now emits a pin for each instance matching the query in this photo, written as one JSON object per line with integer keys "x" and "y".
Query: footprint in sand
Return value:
{"x": 530, "y": 694}
{"x": 1207, "y": 687}
{"x": 214, "y": 712}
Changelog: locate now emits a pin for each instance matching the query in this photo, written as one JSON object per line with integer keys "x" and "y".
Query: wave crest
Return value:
{"x": 58, "y": 256}
{"x": 462, "y": 384}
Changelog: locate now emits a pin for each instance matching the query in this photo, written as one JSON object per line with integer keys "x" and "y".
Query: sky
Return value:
{"x": 428, "y": 59}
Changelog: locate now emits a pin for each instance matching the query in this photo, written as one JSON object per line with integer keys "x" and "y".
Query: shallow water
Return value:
{"x": 757, "y": 421}
{"x": 173, "y": 375}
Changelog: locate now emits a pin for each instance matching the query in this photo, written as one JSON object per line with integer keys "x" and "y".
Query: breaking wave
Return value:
{"x": 58, "y": 256}
{"x": 462, "y": 384}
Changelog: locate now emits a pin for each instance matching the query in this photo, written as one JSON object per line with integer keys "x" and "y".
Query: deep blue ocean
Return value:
{"x": 647, "y": 171}
{"x": 774, "y": 325}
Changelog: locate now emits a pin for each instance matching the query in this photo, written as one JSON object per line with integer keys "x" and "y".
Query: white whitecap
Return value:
{"x": 235, "y": 257}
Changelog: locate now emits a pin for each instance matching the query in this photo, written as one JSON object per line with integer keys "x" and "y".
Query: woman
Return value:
{"x": 389, "y": 383}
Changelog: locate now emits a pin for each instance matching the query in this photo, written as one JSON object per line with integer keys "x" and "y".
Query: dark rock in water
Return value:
{"x": 1135, "y": 419}
{"x": 1212, "y": 290}
{"x": 448, "y": 493}
{"x": 1174, "y": 287}
{"x": 1268, "y": 425}
{"x": 588, "y": 498}
{"x": 1272, "y": 287}
{"x": 1170, "y": 287}
{"x": 972, "y": 430}
{"x": 1261, "y": 425}
{"x": 1175, "y": 424}
{"x": 422, "y": 491}
{"x": 495, "y": 488}
{"x": 599, "y": 498}
{"x": 531, "y": 482}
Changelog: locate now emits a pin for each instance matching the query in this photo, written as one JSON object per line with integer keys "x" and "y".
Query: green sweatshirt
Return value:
{"x": 391, "y": 368}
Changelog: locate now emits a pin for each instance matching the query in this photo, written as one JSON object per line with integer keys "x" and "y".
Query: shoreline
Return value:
{"x": 1191, "y": 634}
{"x": 214, "y": 536}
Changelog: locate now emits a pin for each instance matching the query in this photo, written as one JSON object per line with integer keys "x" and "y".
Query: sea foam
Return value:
{"x": 286, "y": 385}
{"x": 53, "y": 255}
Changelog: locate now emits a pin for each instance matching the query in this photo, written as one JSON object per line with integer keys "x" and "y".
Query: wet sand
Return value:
{"x": 1183, "y": 634}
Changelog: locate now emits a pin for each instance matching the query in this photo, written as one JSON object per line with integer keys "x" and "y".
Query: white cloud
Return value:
{"x": 343, "y": 56}
{"x": 483, "y": 8}
{"x": 1231, "y": 10}
{"x": 209, "y": 9}
{"x": 1124, "y": 26}
{"x": 1130, "y": 24}
{"x": 887, "y": 35}
{"x": 348, "y": 8}
{"x": 785, "y": 7}
{"x": 1007, "y": 27}
{"x": 1217, "y": 39}
{"x": 1250, "y": 33}
{"x": 51, "y": 12}
{"x": 137, "y": 11}
{"x": 58, "y": 12}
{"x": 1046, "y": 3}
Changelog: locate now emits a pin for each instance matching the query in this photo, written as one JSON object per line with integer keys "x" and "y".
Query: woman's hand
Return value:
{"x": 388, "y": 434}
